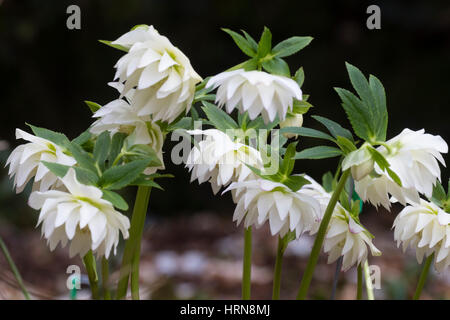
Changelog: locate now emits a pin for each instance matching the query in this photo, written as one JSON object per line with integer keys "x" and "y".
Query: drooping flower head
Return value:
{"x": 425, "y": 227}
{"x": 220, "y": 160}
{"x": 257, "y": 92}
{"x": 413, "y": 156}
{"x": 261, "y": 200}
{"x": 79, "y": 216}
{"x": 25, "y": 162}
{"x": 345, "y": 236}
{"x": 162, "y": 75}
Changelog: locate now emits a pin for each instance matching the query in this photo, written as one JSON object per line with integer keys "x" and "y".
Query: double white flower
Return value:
{"x": 220, "y": 160}
{"x": 426, "y": 228}
{"x": 257, "y": 92}
{"x": 261, "y": 200}
{"x": 412, "y": 155}
{"x": 345, "y": 237}
{"x": 162, "y": 74}
{"x": 25, "y": 162}
{"x": 81, "y": 216}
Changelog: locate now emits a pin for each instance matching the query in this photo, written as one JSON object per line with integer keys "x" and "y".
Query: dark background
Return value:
{"x": 47, "y": 71}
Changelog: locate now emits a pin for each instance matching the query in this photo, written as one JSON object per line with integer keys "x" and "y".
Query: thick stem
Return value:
{"x": 277, "y": 269}
{"x": 314, "y": 257}
{"x": 132, "y": 246}
{"x": 368, "y": 281}
{"x": 359, "y": 283}
{"x": 247, "y": 264}
{"x": 105, "y": 279}
{"x": 423, "y": 276}
{"x": 14, "y": 269}
{"x": 89, "y": 263}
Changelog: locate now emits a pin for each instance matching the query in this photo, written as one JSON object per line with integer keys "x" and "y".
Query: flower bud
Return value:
{"x": 295, "y": 120}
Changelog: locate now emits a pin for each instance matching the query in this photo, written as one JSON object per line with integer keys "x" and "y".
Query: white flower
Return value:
{"x": 412, "y": 157}
{"x": 220, "y": 160}
{"x": 25, "y": 162}
{"x": 80, "y": 216}
{"x": 261, "y": 200}
{"x": 295, "y": 120}
{"x": 257, "y": 92}
{"x": 426, "y": 228}
{"x": 344, "y": 237}
{"x": 162, "y": 74}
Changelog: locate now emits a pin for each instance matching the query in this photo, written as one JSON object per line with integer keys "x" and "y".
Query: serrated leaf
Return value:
{"x": 241, "y": 42}
{"x": 357, "y": 114}
{"x": 56, "y": 137}
{"x": 381, "y": 117}
{"x": 250, "y": 40}
{"x": 84, "y": 159}
{"x": 299, "y": 76}
{"x": 93, "y": 106}
{"x": 85, "y": 176}
{"x": 219, "y": 118}
{"x": 118, "y": 177}
{"x": 277, "y": 66}
{"x": 116, "y": 199}
{"x": 265, "y": 43}
{"x": 319, "y": 152}
{"x": 115, "y": 46}
{"x": 290, "y": 46}
{"x": 335, "y": 128}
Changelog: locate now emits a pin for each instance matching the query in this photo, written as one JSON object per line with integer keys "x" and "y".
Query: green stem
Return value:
{"x": 14, "y": 269}
{"x": 359, "y": 283}
{"x": 247, "y": 264}
{"x": 277, "y": 270}
{"x": 314, "y": 257}
{"x": 368, "y": 281}
{"x": 132, "y": 245}
{"x": 89, "y": 263}
{"x": 105, "y": 279}
{"x": 423, "y": 276}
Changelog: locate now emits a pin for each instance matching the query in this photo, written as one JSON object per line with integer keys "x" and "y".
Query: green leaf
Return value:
{"x": 116, "y": 146}
{"x": 299, "y": 76}
{"x": 295, "y": 183}
{"x": 93, "y": 106}
{"x": 101, "y": 148}
{"x": 83, "y": 138}
{"x": 327, "y": 181}
{"x": 360, "y": 84}
{"x": 346, "y": 145}
{"x": 143, "y": 181}
{"x": 118, "y": 177}
{"x": 219, "y": 118}
{"x": 57, "y": 169}
{"x": 183, "y": 123}
{"x": 290, "y": 46}
{"x": 265, "y": 43}
{"x": 320, "y": 152}
{"x": 143, "y": 152}
{"x": 379, "y": 158}
{"x": 115, "y": 46}
{"x": 277, "y": 66}
{"x": 83, "y": 158}
{"x": 115, "y": 199}
{"x": 307, "y": 132}
{"x": 335, "y": 128}
{"x": 357, "y": 113}
{"x": 241, "y": 42}
{"x": 55, "y": 137}
{"x": 301, "y": 106}
{"x": 394, "y": 176}
{"x": 86, "y": 176}
{"x": 250, "y": 40}
{"x": 381, "y": 114}
{"x": 288, "y": 160}
{"x": 248, "y": 65}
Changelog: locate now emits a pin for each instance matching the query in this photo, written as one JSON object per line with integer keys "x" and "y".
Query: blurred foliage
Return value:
{"x": 48, "y": 70}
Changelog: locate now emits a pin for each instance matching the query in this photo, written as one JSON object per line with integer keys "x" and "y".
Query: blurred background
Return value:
{"x": 192, "y": 249}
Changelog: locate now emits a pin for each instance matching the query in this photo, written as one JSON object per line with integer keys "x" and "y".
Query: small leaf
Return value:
{"x": 299, "y": 76}
{"x": 115, "y": 46}
{"x": 345, "y": 144}
{"x": 116, "y": 146}
{"x": 250, "y": 40}
{"x": 394, "y": 176}
{"x": 335, "y": 128}
{"x": 85, "y": 176}
{"x": 93, "y": 106}
{"x": 118, "y": 177}
{"x": 82, "y": 138}
{"x": 265, "y": 43}
{"x": 320, "y": 152}
{"x": 52, "y": 136}
{"x": 101, "y": 148}
{"x": 143, "y": 181}
{"x": 295, "y": 183}
{"x": 288, "y": 160}
{"x": 301, "y": 106}
{"x": 219, "y": 118}
{"x": 115, "y": 199}
{"x": 57, "y": 169}
{"x": 277, "y": 66}
{"x": 327, "y": 181}
{"x": 83, "y": 158}
{"x": 241, "y": 42}
{"x": 290, "y": 46}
